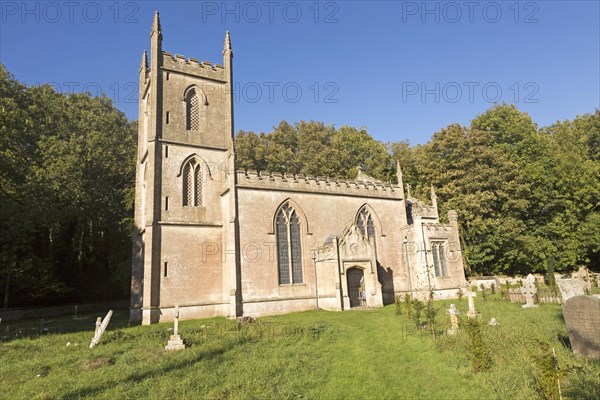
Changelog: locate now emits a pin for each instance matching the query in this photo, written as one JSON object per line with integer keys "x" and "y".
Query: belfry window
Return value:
{"x": 192, "y": 106}
{"x": 365, "y": 224}
{"x": 438, "y": 249}
{"x": 289, "y": 249}
{"x": 192, "y": 184}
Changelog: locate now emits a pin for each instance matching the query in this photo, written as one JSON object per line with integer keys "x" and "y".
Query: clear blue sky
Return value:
{"x": 403, "y": 69}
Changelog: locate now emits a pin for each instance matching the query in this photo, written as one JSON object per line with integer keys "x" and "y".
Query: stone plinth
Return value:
{"x": 175, "y": 343}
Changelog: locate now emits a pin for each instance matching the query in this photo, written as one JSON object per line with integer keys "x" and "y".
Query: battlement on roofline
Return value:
{"x": 316, "y": 184}
{"x": 193, "y": 66}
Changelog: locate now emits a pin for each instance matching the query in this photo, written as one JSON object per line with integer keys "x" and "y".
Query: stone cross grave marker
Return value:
{"x": 582, "y": 317}
{"x": 100, "y": 328}
{"x": 570, "y": 288}
{"x": 529, "y": 290}
{"x": 471, "y": 297}
{"x": 175, "y": 343}
{"x": 453, "y": 320}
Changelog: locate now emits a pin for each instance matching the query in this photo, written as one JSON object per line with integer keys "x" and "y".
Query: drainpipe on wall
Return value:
{"x": 425, "y": 250}
{"x": 314, "y": 258}
{"x": 337, "y": 249}
{"x": 408, "y": 264}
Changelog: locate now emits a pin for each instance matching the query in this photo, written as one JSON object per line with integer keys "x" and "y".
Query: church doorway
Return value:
{"x": 356, "y": 287}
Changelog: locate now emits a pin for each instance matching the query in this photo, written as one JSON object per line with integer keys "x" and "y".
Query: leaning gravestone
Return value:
{"x": 571, "y": 288}
{"x": 100, "y": 328}
{"x": 582, "y": 316}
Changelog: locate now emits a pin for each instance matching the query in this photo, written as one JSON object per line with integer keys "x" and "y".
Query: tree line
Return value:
{"x": 67, "y": 186}
{"x": 528, "y": 198}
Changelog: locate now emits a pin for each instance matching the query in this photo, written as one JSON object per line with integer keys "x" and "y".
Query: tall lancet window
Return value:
{"x": 365, "y": 223}
{"x": 192, "y": 184}
{"x": 192, "y": 105}
{"x": 289, "y": 249}
{"x": 438, "y": 249}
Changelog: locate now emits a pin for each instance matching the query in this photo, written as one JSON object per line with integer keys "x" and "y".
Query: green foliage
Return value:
{"x": 431, "y": 314}
{"x": 408, "y": 305}
{"x": 312, "y": 148}
{"x": 67, "y": 172}
{"x": 459, "y": 295}
{"x": 480, "y": 350}
{"x": 547, "y": 372}
{"x": 518, "y": 196}
{"x": 398, "y": 305}
{"x": 417, "y": 310}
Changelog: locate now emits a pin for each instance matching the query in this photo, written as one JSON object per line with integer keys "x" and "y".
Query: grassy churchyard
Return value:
{"x": 317, "y": 354}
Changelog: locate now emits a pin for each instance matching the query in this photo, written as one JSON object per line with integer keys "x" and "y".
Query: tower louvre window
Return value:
{"x": 192, "y": 184}
{"x": 192, "y": 105}
{"x": 289, "y": 248}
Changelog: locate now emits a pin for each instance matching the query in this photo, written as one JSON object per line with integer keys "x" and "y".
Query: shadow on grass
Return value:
{"x": 140, "y": 376}
{"x": 34, "y": 328}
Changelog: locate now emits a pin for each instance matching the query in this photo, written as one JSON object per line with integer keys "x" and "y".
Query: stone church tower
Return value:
{"x": 184, "y": 190}
{"x": 216, "y": 241}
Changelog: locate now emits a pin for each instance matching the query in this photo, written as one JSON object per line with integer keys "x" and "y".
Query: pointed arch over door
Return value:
{"x": 289, "y": 245}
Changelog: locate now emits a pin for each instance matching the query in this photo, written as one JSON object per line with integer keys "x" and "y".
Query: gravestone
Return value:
{"x": 471, "y": 297}
{"x": 175, "y": 343}
{"x": 100, "y": 328}
{"x": 529, "y": 290}
{"x": 570, "y": 288}
{"x": 453, "y": 320}
{"x": 582, "y": 317}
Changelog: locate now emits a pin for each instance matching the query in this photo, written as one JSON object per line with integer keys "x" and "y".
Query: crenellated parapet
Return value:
{"x": 424, "y": 211}
{"x": 192, "y": 66}
{"x": 316, "y": 184}
{"x": 437, "y": 227}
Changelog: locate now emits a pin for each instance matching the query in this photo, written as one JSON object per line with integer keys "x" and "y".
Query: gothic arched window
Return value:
{"x": 438, "y": 249}
{"x": 289, "y": 250}
{"x": 365, "y": 223}
{"x": 192, "y": 184}
{"x": 192, "y": 110}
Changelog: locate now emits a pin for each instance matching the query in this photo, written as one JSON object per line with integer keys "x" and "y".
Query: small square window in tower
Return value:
{"x": 192, "y": 103}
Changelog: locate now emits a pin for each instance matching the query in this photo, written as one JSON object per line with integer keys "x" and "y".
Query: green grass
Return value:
{"x": 352, "y": 355}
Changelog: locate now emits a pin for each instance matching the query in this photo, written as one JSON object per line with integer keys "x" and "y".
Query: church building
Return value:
{"x": 217, "y": 241}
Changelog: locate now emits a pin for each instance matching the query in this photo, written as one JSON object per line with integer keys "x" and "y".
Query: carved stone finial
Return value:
{"x": 227, "y": 45}
{"x": 144, "y": 63}
{"x": 156, "y": 24}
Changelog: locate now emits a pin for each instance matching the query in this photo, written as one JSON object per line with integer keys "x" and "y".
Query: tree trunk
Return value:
{"x": 7, "y": 285}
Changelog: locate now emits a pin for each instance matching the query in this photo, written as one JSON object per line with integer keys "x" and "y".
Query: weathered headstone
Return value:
{"x": 493, "y": 322}
{"x": 582, "y": 316}
{"x": 453, "y": 320}
{"x": 529, "y": 290}
{"x": 471, "y": 297}
{"x": 175, "y": 342}
{"x": 100, "y": 329}
{"x": 571, "y": 288}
